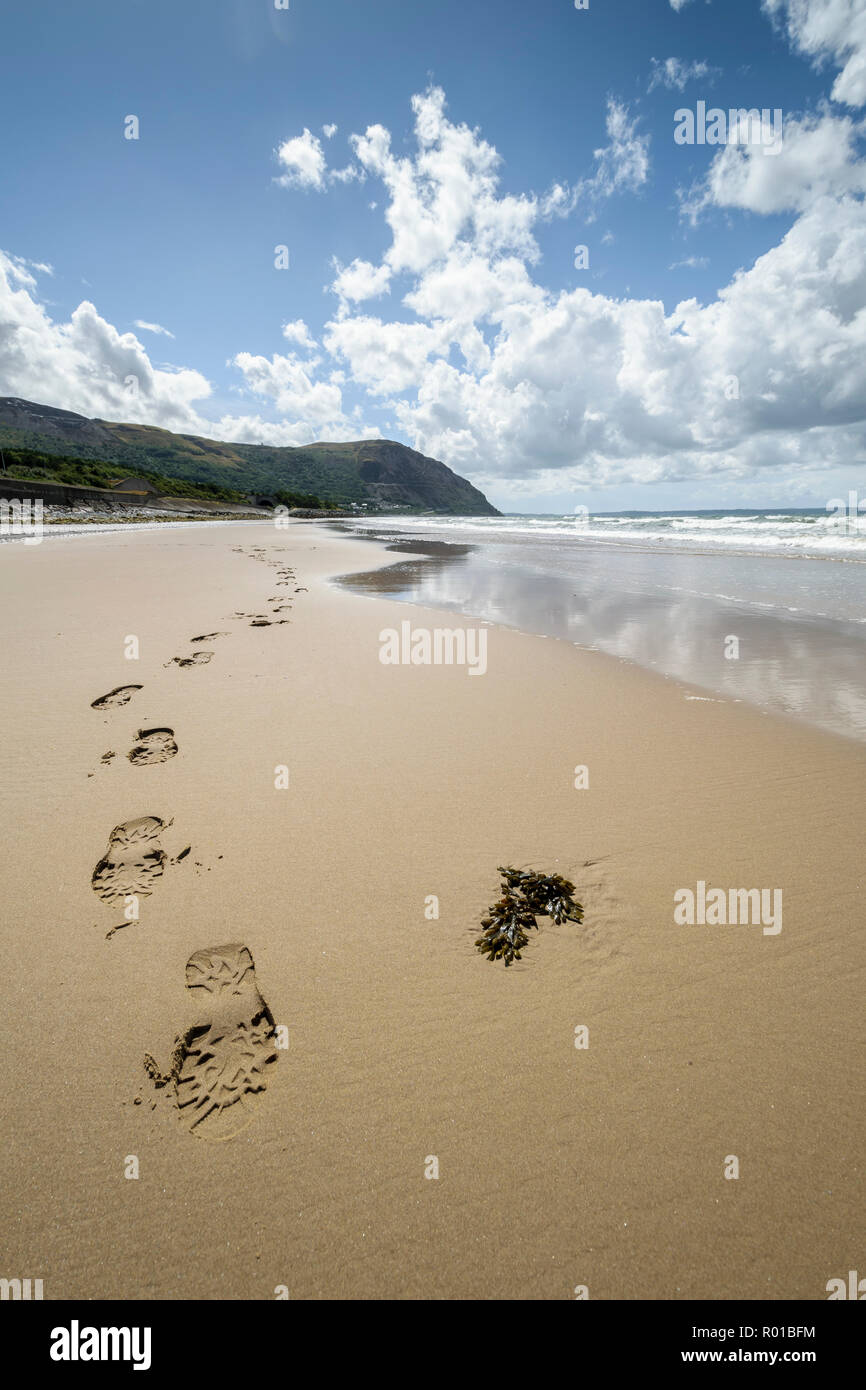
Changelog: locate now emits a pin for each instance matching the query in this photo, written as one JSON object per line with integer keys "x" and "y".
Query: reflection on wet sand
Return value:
{"x": 809, "y": 667}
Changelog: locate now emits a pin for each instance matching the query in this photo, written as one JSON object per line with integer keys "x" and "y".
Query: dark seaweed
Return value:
{"x": 526, "y": 895}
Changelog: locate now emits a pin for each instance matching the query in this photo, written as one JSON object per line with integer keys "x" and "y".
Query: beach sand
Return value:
{"x": 558, "y": 1166}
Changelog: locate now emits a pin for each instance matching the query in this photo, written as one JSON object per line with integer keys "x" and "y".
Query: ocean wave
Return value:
{"x": 815, "y": 533}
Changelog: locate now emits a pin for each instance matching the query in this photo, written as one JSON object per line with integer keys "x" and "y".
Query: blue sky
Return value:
{"x": 548, "y": 385}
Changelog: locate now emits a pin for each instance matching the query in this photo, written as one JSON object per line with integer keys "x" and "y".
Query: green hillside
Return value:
{"x": 77, "y": 472}
{"x": 379, "y": 473}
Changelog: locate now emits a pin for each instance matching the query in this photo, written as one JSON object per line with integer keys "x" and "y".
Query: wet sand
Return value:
{"x": 797, "y": 623}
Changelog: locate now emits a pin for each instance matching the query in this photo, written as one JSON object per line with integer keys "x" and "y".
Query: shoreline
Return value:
{"x": 398, "y": 579}
{"x": 558, "y": 1166}
{"x": 755, "y": 642}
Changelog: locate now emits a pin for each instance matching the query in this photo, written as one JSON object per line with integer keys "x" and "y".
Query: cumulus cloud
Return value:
{"x": 582, "y": 389}
{"x": 386, "y": 357}
{"x": 679, "y": 4}
{"x": 361, "y": 280}
{"x": 305, "y": 166}
{"x": 303, "y": 161}
{"x": 291, "y": 385}
{"x": 829, "y": 31}
{"x": 329, "y": 131}
{"x": 298, "y": 332}
{"x": 85, "y": 364}
{"x": 152, "y": 328}
{"x": 447, "y": 191}
{"x": 818, "y": 155}
{"x": 676, "y": 72}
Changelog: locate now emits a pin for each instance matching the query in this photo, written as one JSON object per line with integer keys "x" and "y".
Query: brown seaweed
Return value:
{"x": 526, "y": 895}
{"x": 545, "y": 895}
{"x": 505, "y": 929}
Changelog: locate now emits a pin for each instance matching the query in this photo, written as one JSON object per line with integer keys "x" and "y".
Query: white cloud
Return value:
{"x": 21, "y": 270}
{"x": 468, "y": 287}
{"x": 622, "y": 166}
{"x": 304, "y": 164}
{"x": 679, "y": 4}
{"x": 676, "y": 72}
{"x": 329, "y": 131}
{"x": 387, "y": 357}
{"x": 303, "y": 160}
{"x": 447, "y": 191}
{"x": 818, "y": 155}
{"x": 690, "y": 263}
{"x": 298, "y": 332}
{"x": 85, "y": 364}
{"x": 152, "y": 328}
{"x": 829, "y": 30}
{"x": 291, "y": 385}
{"x": 361, "y": 280}
{"x": 349, "y": 174}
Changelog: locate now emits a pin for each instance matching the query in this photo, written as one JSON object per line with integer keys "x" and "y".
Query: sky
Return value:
{"x": 485, "y": 228}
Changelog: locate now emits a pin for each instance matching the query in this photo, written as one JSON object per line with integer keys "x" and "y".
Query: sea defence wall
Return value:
{"x": 59, "y": 494}
{"x": 66, "y": 495}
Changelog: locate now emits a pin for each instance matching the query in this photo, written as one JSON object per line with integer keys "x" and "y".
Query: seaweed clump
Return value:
{"x": 526, "y": 895}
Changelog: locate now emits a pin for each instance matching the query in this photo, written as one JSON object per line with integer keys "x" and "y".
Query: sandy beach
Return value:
{"x": 326, "y": 798}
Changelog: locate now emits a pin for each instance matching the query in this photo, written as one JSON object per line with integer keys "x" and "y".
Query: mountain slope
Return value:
{"x": 378, "y": 472}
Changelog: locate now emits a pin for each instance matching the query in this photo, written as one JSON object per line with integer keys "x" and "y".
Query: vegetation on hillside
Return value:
{"x": 88, "y": 472}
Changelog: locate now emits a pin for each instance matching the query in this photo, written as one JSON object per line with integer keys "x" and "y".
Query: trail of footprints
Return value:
{"x": 217, "y": 1071}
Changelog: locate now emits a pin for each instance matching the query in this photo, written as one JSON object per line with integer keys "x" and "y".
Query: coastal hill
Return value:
{"x": 377, "y": 472}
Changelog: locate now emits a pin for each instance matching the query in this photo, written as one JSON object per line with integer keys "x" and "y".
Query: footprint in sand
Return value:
{"x": 133, "y": 861}
{"x": 197, "y": 659}
{"x": 153, "y": 746}
{"x": 121, "y": 696}
{"x": 217, "y": 1071}
{"x": 207, "y": 637}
